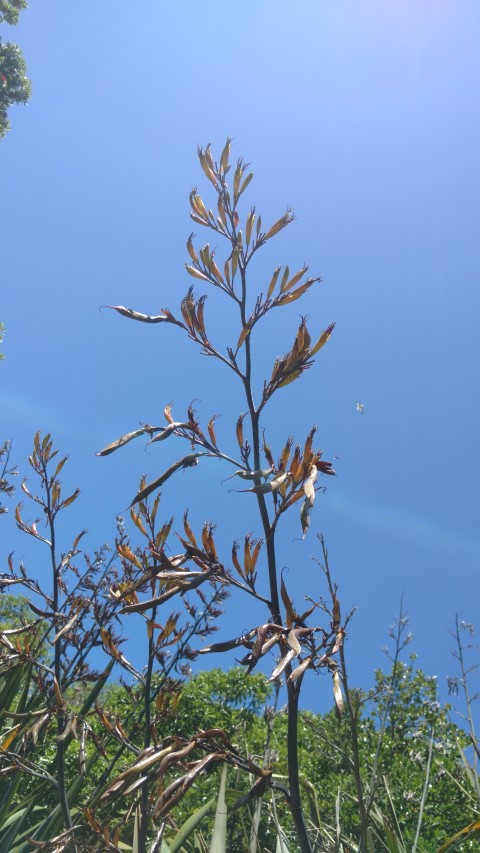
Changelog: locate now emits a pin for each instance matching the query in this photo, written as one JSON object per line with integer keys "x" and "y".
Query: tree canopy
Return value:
{"x": 10, "y": 10}
{"x": 15, "y": 87}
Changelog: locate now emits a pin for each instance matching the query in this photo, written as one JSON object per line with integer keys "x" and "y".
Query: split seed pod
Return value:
{"x": 337, "y": 694}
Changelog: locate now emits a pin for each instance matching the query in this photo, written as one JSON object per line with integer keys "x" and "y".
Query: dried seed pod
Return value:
{"x": 222, "y": 217}
{"x": 119, "y": 442}
{"x": 167, "y": 432}
{"x": 187, "y": 306}
{"x": 293, "y": 641}
{"x": 243, "y": 335}
{"x": 215, "y": 271}
{"x": 281, "y": 666}
{"x": 295, "y": 463}
{"x": 58, "y": 694}
{"x": 188, "y": 530}
{"x": 294, "y": 497}
{"x": 190, "y": 249}
{"x": 303, "y": 340}
{"x": 273, "y": 282}
{"x": 293, "y": 295}
{"x": 236, "y": 180}
{"x": 226, "y": 270}
{"x": 249, "y": 225}
{"x": 234, "y": 260}
{"x": 337, "y": 694}
{"x": 284, "y": 220}
{"x": 324, "y": 337}
{"x": 185, "y": 462}
{"x": 211, "y": 430}
{"x": 265, "y": 488}
{"x": 239, "y": 430}
{"x": 308, "y": 444}
{"x": 198, "y": 206}
{"x": 144, "y": 318}
{"x": 251, "y": 556}
{"x": 249, "y": 475}
{"x": 235, "y": 561}
{"x": 336, "y": 611}
{"x": 200, "y": 322}
{"x": 225, "y": 156}
{"x": 305, "y": 517}
{"x": 309, "y": 485}
{"x": 291, "y": 615}
{"x": 284, "y": 278}
{"x": 300, "y": 669}
{"x": 245, "y": 184}
{"x": 268, "y": 453}
{"x": 285, "y": 287}
{"x": 285, "y": 454}
{"x": 208, "y": 541}
{"x": 268, "y": 644}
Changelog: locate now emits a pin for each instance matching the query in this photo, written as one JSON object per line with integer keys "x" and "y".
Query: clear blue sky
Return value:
{"x": 364, "y": 118}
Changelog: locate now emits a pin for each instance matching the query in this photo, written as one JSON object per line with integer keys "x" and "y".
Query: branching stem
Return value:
{"x": 61, "y": 718}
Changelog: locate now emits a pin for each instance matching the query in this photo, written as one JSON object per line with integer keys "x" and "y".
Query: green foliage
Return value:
{"x": 413, "y": 715}
{"x": 15, "y": 87}
{"x": 14, "y": 611}
{"x": 325, "y": 761}
{"x": 219, "y": 699}
{"x": 7, "y": 470}
{"x": 10, "y": 10}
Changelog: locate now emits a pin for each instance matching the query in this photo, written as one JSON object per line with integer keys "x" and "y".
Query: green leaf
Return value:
{"x": 20, "y": 818}
{"x": 189, "y": 826}
{"x": 97, "y": 687}
{"x": 219, "y": 836}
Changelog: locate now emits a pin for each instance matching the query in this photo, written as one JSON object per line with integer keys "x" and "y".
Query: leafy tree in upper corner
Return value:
{"x": 10, "y": 10}
{"x": 15, "y": 87}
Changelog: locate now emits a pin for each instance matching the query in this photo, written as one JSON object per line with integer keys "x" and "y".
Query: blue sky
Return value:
{"x": 362, "y": 117}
